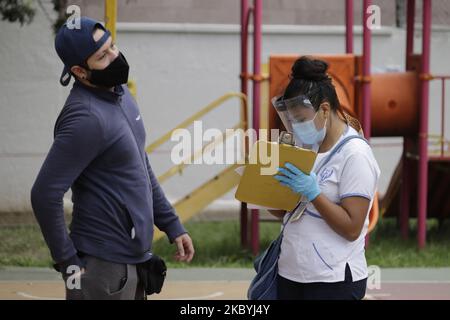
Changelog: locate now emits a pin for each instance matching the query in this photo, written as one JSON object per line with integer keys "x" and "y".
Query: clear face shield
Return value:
{"x": 298, "y": 115}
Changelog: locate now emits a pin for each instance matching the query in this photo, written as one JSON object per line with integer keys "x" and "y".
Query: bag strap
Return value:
{"x": 338, "y": 148}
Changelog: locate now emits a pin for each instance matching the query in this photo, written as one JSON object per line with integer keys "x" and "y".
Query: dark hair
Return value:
{"x": 309, "y": 77}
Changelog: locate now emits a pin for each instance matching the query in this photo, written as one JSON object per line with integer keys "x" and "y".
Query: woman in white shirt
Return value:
{"x": 322, "y": 253}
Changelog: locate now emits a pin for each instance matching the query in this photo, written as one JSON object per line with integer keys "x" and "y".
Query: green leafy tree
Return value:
{"x": 21, "y": 11}
{"x": 60, "y": 7}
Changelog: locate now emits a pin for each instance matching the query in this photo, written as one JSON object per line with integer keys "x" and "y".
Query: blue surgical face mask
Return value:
{"x": 307, "y": 133}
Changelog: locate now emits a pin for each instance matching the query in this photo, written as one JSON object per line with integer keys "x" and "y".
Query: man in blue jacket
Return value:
{"x": 99, "y": 152}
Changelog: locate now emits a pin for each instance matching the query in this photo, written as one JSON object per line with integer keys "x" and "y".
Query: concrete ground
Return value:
{"x": 219, "y": 283}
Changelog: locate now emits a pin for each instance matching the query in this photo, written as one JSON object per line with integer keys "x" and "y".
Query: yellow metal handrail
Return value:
{"x": 111, "y": 17}
{"x": 179, "y": 168}
{"x": 213, "y": 105}
{"x": 437, "y": 140}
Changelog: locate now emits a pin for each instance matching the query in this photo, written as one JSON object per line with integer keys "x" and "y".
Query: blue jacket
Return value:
{"x": 99, "y": 151}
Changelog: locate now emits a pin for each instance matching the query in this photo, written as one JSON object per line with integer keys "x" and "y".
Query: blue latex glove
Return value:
{"x": 298, "y": 181}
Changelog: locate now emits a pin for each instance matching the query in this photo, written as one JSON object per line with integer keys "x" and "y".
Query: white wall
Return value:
{"x": 178, "y": 70}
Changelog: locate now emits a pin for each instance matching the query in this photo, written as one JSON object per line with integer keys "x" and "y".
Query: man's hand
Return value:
{"x": 185, "y": 248}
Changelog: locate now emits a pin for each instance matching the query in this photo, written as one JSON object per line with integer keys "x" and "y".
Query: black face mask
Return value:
{"x": 114, "y": 74}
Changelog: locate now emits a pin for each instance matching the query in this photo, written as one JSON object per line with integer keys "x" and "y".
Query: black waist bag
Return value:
{"x": 152, "y": 274}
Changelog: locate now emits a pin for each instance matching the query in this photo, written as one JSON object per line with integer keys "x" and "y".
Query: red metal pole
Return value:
{"x": 423, "y": 129}
{"x": 349, "y": 26}
{"x": 405, "y": 190}
{"x": 366, "y": 72}
{"x": 257, "y": 35}
{"x": 366, "y": 77}
{"x": 410, "y": 20}
{"x": 244, "y": 45}
{"x": 443, "y": 118}
{"x": 405, "y": 194}
{"x": 244, "y": 90}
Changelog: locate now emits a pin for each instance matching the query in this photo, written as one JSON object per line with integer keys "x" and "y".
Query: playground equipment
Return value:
{"x": 390, "y": 104}
{"x": 216, "y": 187}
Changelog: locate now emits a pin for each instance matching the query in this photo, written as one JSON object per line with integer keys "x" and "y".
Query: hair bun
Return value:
{"x": 307, "y": 68}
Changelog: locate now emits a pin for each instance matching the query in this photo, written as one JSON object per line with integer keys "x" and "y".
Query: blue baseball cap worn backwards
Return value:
{"x": 75, "y": 45}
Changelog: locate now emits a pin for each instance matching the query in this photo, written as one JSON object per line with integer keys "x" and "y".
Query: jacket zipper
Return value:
{"x": 135, "y": 140}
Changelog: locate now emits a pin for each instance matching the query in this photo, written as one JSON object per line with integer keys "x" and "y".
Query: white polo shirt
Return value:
{"x": 313, "y": 252}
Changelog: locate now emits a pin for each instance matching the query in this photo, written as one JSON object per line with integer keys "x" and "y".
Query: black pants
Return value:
{"x": 345, "y": 290}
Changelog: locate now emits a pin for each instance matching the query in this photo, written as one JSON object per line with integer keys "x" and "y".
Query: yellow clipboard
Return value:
{"x": 263, "y": 189}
